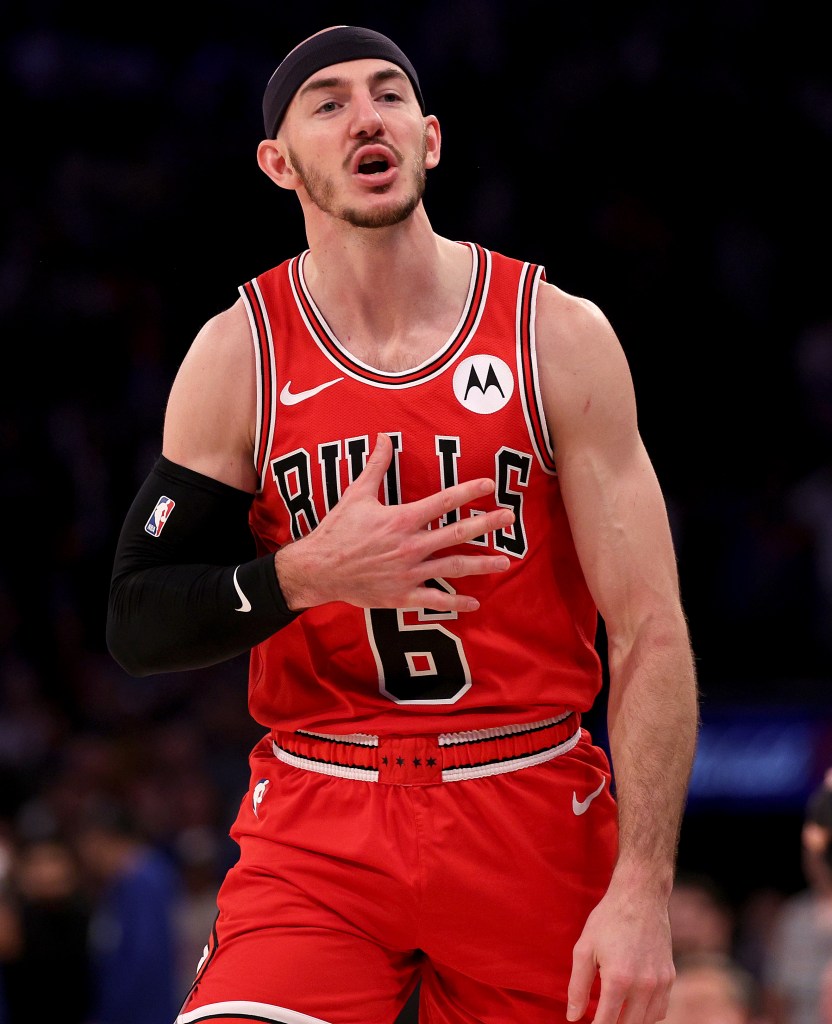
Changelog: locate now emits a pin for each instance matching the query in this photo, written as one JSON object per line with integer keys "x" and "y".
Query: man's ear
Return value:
{"x": 273, "y": 163}
{"x": 433, "y": 141}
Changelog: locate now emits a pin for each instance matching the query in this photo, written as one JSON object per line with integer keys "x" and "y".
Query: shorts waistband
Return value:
{"x": 430, "y": 759}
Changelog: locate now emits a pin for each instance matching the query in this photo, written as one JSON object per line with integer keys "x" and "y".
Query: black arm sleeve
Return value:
{"x": 187, "y": 589}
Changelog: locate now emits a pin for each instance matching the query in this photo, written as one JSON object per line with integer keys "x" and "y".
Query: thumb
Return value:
{"x": 377, "y": 465}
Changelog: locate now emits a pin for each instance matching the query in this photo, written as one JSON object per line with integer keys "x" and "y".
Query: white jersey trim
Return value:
{"x": 260, "y": 370}
{"x": 535, "y": 397}
{"x": 448, "y": 739}
{"x": 481, "y": 771}
{"x": 391, "y": 377}
{"x": 245, "y": 1008}
{"x": 324, "y": 768}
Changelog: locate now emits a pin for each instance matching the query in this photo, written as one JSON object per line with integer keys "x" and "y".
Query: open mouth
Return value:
{"x": 373, "y": 165}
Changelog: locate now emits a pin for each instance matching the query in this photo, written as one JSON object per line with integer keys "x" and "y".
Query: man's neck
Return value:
{"x": 390, "y": 295}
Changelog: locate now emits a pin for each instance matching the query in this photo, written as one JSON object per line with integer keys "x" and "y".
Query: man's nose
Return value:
{"x": 366, "y": 118}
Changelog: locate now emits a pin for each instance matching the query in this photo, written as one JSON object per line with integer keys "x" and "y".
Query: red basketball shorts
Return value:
{"x": 474, "y": 874}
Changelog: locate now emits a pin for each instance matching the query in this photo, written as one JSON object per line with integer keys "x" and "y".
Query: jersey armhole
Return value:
{"x": 530, "y": 278}
{"x": 264, "y": 368}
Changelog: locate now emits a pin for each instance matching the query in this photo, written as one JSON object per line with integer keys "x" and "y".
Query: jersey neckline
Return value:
{"x": 447, "y": 353}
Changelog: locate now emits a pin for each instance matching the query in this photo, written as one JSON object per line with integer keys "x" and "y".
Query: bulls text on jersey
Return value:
{"x": 308, "y": 494}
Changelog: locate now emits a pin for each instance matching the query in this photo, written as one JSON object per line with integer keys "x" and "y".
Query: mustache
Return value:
{"x": 383, "y": 145}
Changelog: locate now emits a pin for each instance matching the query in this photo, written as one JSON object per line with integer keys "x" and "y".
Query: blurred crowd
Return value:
{"x": 670, "y": 162}
{"x": 767, "y": 960}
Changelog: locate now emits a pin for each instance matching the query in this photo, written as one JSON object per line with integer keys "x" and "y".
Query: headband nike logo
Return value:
{"x": 582, "y": 806}
{"x": 288, "y": 397}
{"x": 245, "y": 604}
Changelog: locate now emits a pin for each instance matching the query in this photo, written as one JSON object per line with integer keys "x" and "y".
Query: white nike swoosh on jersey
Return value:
{"x": 582, "y": 806}
{"x": 245, "y": 604}
{"x": 287, "y": 397}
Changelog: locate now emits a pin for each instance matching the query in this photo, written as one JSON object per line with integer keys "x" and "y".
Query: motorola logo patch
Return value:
{"x": 483, "y": 383}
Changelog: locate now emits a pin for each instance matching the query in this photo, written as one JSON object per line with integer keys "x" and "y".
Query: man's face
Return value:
{"x": 355, "y": 135}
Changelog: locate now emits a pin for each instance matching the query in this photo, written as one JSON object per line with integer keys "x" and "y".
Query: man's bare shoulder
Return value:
{"x": 209, "y": 422}
{"x": 224, "y": 332}
{"x": 584, "y": 374}
{"x": 571, "y": 324}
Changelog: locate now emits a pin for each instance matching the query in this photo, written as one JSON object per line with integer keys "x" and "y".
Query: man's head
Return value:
{"x": 329, "y": 46}
{"x": 347, "y": 130}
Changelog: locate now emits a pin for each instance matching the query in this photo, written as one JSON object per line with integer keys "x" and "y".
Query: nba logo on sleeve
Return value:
{"x": 159, "y": 516}
{"x": 258, "y": 794}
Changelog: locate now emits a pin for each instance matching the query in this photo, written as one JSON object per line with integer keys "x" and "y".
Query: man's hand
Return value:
{"x": 627, "y": 940}
{"x": 379, "y": 556}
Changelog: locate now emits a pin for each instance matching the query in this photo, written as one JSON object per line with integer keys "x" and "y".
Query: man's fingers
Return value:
{"x": 467, "y": 529}
{"x": 428, "y": 510}
{"x": 437, "y": 505}
{"x": 610, "y": 1007}
{"x": 376, "y": 466}
{"x": 580, "y": 985}
{"x": 658, "y": 1006}
{"x": 441, "y": 600}
{"x": 631, "y": 1001}
{"x": 455, "y": 566}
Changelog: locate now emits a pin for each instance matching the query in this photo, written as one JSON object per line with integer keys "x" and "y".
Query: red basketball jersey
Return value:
{"x": 472, "y": 409}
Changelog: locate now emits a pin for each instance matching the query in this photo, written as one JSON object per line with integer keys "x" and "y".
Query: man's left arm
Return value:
{"x": 619, "y": 521}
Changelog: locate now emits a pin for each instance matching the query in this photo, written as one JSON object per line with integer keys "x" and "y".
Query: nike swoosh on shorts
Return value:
{"x": 582, "y": 806}
{"x": 288, "y": 397}
{"x": 245, "y": 604}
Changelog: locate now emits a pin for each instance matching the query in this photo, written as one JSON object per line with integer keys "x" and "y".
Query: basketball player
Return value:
{"x": 436, "y": 452}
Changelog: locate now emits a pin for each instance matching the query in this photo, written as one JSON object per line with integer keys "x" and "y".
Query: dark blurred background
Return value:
{"x": 669, "y": 161}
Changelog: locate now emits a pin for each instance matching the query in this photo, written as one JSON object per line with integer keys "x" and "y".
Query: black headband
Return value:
{"x": 333, "y": 46}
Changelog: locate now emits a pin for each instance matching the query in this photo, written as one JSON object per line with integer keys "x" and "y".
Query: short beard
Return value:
{"x": 321, "y": 191}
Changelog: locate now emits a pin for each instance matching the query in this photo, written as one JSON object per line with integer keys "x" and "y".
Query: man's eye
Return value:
{"x": 325, "y": 108}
